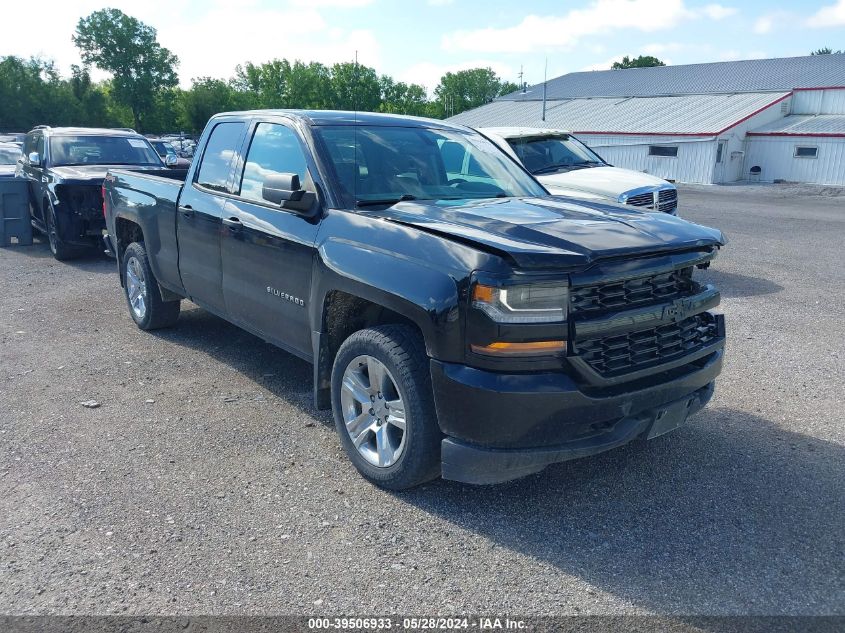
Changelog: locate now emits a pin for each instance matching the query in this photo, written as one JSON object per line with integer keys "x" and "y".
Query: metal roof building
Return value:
{"x": 704, "y": 123}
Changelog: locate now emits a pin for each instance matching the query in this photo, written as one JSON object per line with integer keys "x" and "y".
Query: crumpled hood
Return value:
{"x": 553, "y": 232}
{"x": 610, "y": 182}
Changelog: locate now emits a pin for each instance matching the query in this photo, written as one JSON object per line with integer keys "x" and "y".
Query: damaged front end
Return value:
{"x": 79, "y": 213}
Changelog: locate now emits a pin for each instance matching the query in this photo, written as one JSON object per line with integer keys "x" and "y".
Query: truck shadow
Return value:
{"x": 91, "y": 261}
{"x": 730, "y": 514}
{"x": 737, "y": 285}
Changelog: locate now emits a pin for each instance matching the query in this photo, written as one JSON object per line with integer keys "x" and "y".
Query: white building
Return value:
{"x": 767, "y": 119}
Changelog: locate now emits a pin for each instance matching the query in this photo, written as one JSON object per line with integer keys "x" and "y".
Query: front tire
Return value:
{"x": 60, "y": 250}
{"x": 383, "y": 407}
{"x": 142, "y": 294}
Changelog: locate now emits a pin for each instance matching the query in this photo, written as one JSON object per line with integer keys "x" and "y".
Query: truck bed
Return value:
{"x": 149, "y": 199}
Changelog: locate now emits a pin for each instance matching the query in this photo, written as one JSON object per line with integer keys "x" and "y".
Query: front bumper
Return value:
{"x": 503, "y": 426}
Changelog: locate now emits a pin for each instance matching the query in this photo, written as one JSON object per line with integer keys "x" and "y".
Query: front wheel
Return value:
{"x": 60, "y": 250}
{"x": 383, "y": 406}
{"x": 142, "y": 295}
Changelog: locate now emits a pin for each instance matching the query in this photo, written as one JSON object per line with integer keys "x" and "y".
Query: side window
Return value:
{"x": 275, "y": 149}
{"x": 39, "y": 146}
{"x": 217, "y": 158}
{"x": 453, "y": 156}
{"x": 29, "y": 144}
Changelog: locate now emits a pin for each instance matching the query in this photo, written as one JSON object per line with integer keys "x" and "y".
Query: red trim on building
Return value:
{"x": 756, "y": 112}
{"x": 742, "y": 120}
{"x": 649, "y": 133}
{"x": 800, "y": 134}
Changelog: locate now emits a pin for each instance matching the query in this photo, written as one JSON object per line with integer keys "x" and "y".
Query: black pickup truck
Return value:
{"x": 461, "y": 324}
{"x": 65, "y": 168}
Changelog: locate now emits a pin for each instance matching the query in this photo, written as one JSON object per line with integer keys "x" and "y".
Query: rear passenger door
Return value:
{"x": 200, "y": 216}
{"x": 268, "y": 251}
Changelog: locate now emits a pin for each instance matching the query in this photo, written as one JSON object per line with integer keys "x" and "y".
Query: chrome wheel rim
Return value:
{"x": 136, "y": 287}
{"x": 373, "y": 411}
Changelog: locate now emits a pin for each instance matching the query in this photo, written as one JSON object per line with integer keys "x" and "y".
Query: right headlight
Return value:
{"x": 523, "y": 303}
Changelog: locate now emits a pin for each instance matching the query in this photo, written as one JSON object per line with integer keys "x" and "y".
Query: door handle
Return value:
{"x": 187, "y": 211}
{"x": 232, "y": 223}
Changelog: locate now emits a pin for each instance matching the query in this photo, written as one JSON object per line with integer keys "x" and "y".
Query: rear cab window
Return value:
{"x": 215, "y": 170}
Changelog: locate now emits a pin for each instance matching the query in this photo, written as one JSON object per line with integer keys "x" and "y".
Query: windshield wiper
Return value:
{"x": 387, "y": 201}
{"x": 551, "y": 168}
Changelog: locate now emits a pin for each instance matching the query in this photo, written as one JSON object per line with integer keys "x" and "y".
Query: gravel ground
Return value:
{"x": 206, "y": 482}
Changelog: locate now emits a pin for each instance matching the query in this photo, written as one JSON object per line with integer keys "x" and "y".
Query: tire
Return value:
{"x": 60, "y": 250}
{"x": 416, "y": 453}
{"x": 142, "y": 294}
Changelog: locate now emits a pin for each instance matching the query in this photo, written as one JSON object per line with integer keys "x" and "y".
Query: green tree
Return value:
{"x": 206, "y": 98}
{"x": 355, "y": 87}
{"x": 827, "y": 50}
{"x": 401, "y": 98}
{"x": 467, "y": 89}
{"x": 643, "y": 61}
{"x": 127, "y": 48}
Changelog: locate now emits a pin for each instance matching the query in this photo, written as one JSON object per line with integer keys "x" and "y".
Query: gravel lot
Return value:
{"x": 206, "y": 482}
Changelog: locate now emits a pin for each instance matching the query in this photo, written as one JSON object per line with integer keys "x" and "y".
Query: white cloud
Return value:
{"x": 764, "y": 24}
{"x": 536, "y": 32}
{"x": 250, "y": 32}
{"x": 332, "y": 4}
{"x": 718, "y": 12}
{"x": 828, "y": 16}
{"x": 428, "y": 74}
{"x": 439, "y": 3}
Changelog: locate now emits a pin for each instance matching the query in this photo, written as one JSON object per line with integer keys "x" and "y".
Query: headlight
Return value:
{"x": 524, "y": 303}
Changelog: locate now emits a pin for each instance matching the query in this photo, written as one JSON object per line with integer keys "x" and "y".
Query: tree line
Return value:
{"x": 143, "y": 91}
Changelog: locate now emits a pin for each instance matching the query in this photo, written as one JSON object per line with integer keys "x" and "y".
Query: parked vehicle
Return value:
{"x": 461, "y": 322}
{"x": 16, "y": 138}
{"x": 164, "y": 149}
{"x": 65, "y": 168}
{"x": 567, "y": 167}
{"x": 9, "y": 155}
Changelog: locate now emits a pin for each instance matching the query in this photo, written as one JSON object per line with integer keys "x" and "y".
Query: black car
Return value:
{"x": 65, "y": 168}
{"x": 9, "y": 155}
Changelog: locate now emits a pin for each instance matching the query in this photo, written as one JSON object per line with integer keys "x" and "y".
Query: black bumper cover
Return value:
{"x": 504, "y": 427}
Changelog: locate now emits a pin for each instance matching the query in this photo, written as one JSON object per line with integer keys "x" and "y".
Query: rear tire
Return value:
{"x": 384, "y": 409}
{"x": 60, "y": 250}
{"x": 142, "y": 293}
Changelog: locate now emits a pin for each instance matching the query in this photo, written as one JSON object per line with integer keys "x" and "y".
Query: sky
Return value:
{"x": 418, "y": 40}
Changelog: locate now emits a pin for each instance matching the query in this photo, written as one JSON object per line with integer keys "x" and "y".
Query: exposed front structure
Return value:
{"x": 700, "y": 123}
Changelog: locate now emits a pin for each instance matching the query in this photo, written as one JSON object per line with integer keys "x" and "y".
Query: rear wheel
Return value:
{"x": 60, "y": 250}
{"x": 142, "y": 294}
{"x": 383, "y": 406}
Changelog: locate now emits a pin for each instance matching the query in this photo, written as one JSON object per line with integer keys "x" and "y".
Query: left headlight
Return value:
{"x": 523, "y": 303}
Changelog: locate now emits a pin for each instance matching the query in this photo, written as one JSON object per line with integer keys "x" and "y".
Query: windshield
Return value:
{"x": 163, "y": 148}
{"x": 546, "y": 154}
{"x": 9, "y": 156}
{"x": 383, "y": 165}
{"x": 101, "y": 150}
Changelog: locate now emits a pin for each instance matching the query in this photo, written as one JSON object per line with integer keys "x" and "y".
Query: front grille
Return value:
{"x": 621, "y": 354}
{"x": 667, "y": 200}
{"x": 642, "y": 200}
{"x": 631, "y": 293}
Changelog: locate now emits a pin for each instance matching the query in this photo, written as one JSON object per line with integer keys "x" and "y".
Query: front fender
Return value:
{"x": 428, "y": 296}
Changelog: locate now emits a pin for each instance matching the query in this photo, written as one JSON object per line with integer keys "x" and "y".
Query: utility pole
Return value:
{"x": 545, "y": 80}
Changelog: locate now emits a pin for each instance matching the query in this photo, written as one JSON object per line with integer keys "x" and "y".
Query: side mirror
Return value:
{"x": 171, "y": 160}
{"x": 34, "y": 159}
{"x": 286, "y": 191}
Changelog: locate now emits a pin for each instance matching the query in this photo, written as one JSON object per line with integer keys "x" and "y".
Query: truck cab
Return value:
{"x": 474, "y": 328}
